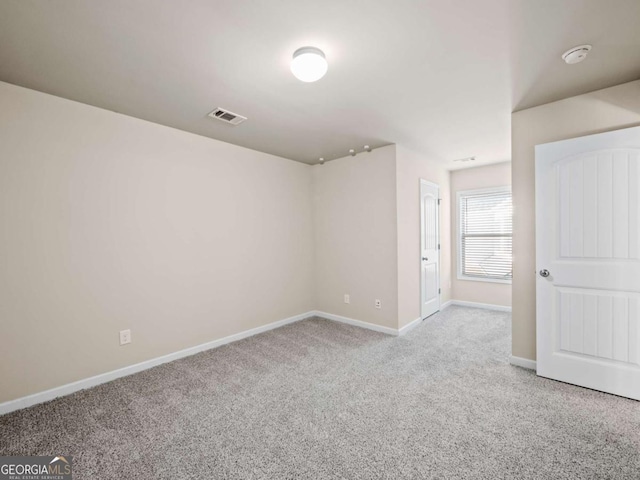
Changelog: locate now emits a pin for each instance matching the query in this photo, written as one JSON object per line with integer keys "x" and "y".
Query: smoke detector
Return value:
{"x": 576, "y": 54}
{"x": 227, "y": 117}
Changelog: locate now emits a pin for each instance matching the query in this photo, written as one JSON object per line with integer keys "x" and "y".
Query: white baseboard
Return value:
{"x": 358, "y": 323}
{"x": 486, "y": 306}
{"x": 409, "y": 326}
{"x": 83, "y": 384}
{"x": 69, "y": 388}
{"x": 523, "y": 362}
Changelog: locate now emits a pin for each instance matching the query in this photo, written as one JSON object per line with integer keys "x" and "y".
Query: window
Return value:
{"x": 485, "y": 235}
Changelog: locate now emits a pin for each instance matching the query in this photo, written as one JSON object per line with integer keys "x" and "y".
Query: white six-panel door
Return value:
{"x": 429, "y": 249}
{"x": 588, "y": 261}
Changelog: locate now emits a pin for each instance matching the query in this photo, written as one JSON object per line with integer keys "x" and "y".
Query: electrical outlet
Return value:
{"x": 125, "y": 337}
{"x": 378, "y": 303}
{"x": 347, "y": 298}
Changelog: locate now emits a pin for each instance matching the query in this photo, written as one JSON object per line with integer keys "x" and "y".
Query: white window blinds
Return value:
{"x": 485, "y": 219}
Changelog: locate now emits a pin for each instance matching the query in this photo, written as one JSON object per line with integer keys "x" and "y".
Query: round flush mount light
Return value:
{"x": 576, "y": 54}
{"x": 309, "y": 64}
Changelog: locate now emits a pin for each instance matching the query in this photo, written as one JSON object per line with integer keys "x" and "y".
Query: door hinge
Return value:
{"x": 438, "y": 246}
{"x": 439, "y": 200}
{"x": 439, "y": 291}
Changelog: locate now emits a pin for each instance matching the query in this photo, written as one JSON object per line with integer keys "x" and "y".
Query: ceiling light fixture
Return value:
{"x": 309, "y": 64}
{"x": 576, "y": 54}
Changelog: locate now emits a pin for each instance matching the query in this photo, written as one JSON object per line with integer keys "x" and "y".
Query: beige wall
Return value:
{"x": 596, "y": 112}
{"x": 411, "y": 167}
{"x": 108, "y": 222}
{"x": 355, "y": 236}
{"x": 497, "y": 175}
{"x": 367, "y": 234}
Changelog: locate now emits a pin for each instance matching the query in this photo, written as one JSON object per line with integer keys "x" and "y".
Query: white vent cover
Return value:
{"x": 227, "y": 117}
{"x": 467, "y": 159}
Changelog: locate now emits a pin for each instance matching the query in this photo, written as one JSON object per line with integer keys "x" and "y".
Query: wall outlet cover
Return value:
{"x": 125, "y": 337}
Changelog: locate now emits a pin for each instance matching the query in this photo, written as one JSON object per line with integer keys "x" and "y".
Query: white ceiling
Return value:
{"x": 440, "y": 77}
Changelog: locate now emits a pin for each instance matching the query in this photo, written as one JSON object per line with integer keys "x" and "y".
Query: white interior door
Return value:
{"x": 429, "y": 248}
{"x": 588, "y": 261}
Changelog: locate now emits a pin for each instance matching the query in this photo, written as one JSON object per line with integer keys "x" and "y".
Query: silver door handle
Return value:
{"x": 425, "y": 259}
{"x": 544, "y": 273}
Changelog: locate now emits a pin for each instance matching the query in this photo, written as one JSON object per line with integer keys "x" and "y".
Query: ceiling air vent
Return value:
{"x": 227, "y": 117}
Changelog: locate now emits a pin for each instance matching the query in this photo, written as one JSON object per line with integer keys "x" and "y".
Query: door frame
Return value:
{"x": 422, "y": 183}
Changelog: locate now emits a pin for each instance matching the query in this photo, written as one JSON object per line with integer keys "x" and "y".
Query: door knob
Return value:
{"x": 425, "y": 259}
{"x": 544, "y": 273}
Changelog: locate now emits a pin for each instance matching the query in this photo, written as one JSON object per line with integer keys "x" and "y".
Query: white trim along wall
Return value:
{"x": 93, "y": 381}
{"x": 85, "y": 383}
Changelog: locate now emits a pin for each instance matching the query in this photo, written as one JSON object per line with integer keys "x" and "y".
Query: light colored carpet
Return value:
{"x": 319, "y": 399}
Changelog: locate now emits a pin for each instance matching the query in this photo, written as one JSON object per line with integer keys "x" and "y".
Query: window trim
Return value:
{"x": 459, "y": 194}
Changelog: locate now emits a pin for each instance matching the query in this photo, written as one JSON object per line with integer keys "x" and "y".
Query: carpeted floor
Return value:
{"x": 319, "y": 399}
